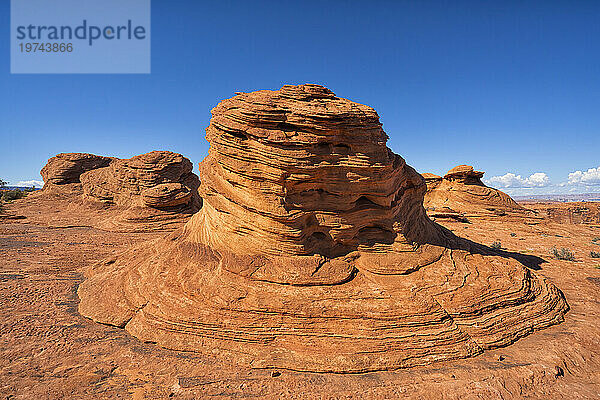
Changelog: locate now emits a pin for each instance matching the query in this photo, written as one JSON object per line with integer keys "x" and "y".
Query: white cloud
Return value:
{"x": 30, "y": 183}
{"x": 510, "y": 180}
{"x": 539, "y": 183}
{"x": 539, "y": 179}
{"x": 589, "y": 177}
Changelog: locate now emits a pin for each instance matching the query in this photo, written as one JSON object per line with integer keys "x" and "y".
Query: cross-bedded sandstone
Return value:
{"x": 151, "y": 191}
{"x": 312, "y": 251}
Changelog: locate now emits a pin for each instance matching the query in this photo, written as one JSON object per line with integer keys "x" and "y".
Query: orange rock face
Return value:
{"x": 462, "y": 194}
{"x": 312, "y": 251}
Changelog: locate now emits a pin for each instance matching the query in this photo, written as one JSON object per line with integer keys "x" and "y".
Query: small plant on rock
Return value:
{"x": 595, "y": 254}
{"x": 497, "y": 245}
{"x": 563, "y": 254}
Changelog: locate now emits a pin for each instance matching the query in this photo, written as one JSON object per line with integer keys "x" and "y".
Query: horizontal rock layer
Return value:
{"x": 165, "y": 195}
{"x": 587, "y": 213}
{"x": 312, "y": 251}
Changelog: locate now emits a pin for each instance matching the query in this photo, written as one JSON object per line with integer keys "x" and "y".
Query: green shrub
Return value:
{"x": 595, "y": 254}
{"x": 10, "y": 195}
{"x": 497, "y": 245}
{"x": 563, "y": 254}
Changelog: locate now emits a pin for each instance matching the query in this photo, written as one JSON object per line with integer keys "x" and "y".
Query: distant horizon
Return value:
{"x": 9, "y": 187}
{"x": 583, "y": 197}
{"x": 547, "y": 196}
{"x": 510, "y": 88}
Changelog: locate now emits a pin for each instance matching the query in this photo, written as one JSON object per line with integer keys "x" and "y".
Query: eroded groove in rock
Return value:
{"x": 313, "y": 252}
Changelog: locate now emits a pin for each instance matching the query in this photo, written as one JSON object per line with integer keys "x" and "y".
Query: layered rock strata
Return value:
{"x": 159, "y": 179}
{"x": 152, "y": 191}
{"x": 312, "y": 251}
{"x": 65, "y": 168}
{"x": 461, "y": 194}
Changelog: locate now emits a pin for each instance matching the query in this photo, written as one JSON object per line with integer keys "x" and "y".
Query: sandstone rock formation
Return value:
{"x": 152, "y": 191}
{"x": 312, "y": 251}
{"x": 159, "y": 179}
{"x": 461, "y": 194}
{"x": 66, "y": 168}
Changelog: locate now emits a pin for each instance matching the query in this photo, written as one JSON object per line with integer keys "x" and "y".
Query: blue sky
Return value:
{"x": 509, "y": 87}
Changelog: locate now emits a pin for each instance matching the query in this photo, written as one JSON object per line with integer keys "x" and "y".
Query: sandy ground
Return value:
{"x": 48, "y": 350}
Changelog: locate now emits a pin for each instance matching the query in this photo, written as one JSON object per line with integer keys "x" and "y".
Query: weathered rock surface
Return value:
{"x": 66, "y": 168}
{"x": 313, "y": 252}
{"x": 152, "y": 191}
{"x": 159, "y": 179}
{"x": 461, "y": 194}
{"x": 165, "y": 195}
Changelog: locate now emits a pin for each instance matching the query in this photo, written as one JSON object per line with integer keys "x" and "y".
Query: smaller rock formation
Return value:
{"x": 429, "y": 177}
{"x": 159, "y": 179}
{"x": 152, "y": 191}
{"x": 461, "y": 194}
{"x": 65, "y": 168}
{"x": 465, "y": 174}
